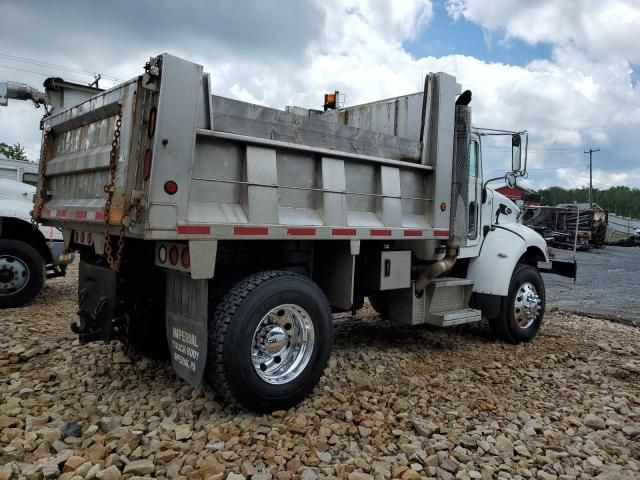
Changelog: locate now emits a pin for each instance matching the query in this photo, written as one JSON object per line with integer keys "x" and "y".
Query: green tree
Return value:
{"x": 621, "y": 200}
{"x": 15, "y": 151}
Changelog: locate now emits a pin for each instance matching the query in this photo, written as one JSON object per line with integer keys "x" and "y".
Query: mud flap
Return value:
{"x": 187, "y": 303}
{"x": 97, "y": 298}
{"x": 564, "y": 268}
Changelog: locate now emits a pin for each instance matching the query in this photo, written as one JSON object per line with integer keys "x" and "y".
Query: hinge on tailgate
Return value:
{"x": 134, "y": 217}
{"x": 152, "y": 73}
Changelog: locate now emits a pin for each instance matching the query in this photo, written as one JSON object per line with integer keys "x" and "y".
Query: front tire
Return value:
{"x": 21, "y": 273}
{"x": 270, "y": 338}
{"x": 522, "y": 310}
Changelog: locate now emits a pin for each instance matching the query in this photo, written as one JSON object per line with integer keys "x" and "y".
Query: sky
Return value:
{"x": 567, "y": 71}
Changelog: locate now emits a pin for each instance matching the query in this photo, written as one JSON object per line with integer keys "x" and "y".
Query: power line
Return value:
{"x": 620, "y": 160}
{"x": 607, "y": 152}
{"x": 38, "y": 73}
{"x": 31, "y": 61}
{"x": 543, "y": 168}
{"x": 537, "y": 149}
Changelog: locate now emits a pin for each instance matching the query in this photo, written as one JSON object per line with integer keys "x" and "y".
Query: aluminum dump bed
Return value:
{"x": 189, "y": 164}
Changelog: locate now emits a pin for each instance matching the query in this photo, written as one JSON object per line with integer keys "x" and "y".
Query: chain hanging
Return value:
{"x": 114, "y": 262}
{"x": 36, "y": 213}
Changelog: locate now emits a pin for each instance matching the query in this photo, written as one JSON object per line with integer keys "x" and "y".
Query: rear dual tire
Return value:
{"x": 270, "y": 337}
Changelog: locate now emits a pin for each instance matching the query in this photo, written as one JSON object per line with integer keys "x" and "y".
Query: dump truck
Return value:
{"x": 230, "y": 232}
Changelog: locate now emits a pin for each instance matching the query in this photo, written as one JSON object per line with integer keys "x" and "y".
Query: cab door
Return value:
{"x": 472, "y": 245}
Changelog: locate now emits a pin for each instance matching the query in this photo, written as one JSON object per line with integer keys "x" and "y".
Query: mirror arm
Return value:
{"x": 484, "y": 187}
{"x": 526, "y": 148}
{"x": 492, "y": 180}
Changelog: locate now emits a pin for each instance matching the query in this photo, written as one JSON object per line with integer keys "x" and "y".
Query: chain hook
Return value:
{"x": 36, "y": 213}
{"x": 109, "y": 189}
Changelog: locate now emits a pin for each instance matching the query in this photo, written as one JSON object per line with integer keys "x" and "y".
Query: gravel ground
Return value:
{"x": 395, "y": 402}
{"x": 607, "y": 284}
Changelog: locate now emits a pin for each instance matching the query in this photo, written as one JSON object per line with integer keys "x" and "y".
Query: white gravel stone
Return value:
{"x": 446, "y": 403}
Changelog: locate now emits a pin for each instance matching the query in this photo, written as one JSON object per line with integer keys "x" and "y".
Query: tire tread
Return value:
{"x": 223, "y": 315}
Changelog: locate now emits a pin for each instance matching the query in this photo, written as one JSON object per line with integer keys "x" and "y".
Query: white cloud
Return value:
{"x": 576, "y": 98}
{"x": 603, "y": 28}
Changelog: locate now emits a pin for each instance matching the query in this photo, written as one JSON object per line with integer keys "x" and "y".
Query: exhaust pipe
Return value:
{"x": 435, "y": 270}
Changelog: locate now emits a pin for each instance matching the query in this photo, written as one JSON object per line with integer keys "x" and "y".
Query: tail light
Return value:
{"x": 170, "y": 187}
{"x": 146, "y": 164}
{"x": 174, "y": 255}
{"x": 151, "y": 128}
{"x": 185, "y": 257}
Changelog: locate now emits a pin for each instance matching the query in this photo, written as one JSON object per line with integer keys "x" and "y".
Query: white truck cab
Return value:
{"x": 27, "y": 255}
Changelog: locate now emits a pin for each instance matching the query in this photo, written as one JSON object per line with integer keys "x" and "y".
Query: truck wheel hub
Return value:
{"x": 14, "y": 275}
{"x": 282, "y": 344}
{"x": 276, "y": 340}
{"x": 527, "y": 305}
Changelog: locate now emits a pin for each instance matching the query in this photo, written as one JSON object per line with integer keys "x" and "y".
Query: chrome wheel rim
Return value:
{"x": 282, "y": 344}
{"x": 14, "y": 275}
{"x": 527, "y": 305}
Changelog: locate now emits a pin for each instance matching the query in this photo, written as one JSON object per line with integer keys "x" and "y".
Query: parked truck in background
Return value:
{"x": 232, "y": 231}
{"x": 29, "y": 252}
{"x": 27, "y": 255}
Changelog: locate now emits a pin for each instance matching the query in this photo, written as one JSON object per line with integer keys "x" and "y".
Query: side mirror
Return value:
{"x": 516, "y": 153}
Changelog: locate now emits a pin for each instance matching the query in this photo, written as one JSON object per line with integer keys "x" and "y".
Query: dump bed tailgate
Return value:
{"x": 77, "y": 150}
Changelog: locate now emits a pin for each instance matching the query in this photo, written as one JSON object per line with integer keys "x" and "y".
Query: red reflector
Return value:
{"x": 380, "y": 233}
{"x": 81, "y": 214}
{"x": 99, "y": 215}
{"x": 170, "y": 187}
{"x": 441, "y": 233}
{"x": 194, "y": 230}
{"x": 61, "y": 213}
{"x": 344, "y": 231}
{"x": 174, "y": 255}
{"x": 301, "y": 231}
{"x": 250, "y": 230}
{"x": 186, "y": 259}
{"x": 413, "y": 233}
{"x": 146, "y": 164}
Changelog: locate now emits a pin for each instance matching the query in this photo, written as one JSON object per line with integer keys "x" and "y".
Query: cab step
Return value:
{"x": 444, "y": 303}
{"x": 455, "y": 317}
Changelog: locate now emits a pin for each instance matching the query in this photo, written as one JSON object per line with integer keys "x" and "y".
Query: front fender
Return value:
{"x": 502, "y": 249}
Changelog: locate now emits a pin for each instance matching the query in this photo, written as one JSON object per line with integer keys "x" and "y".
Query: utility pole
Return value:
{"x": 590, "y": 152}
